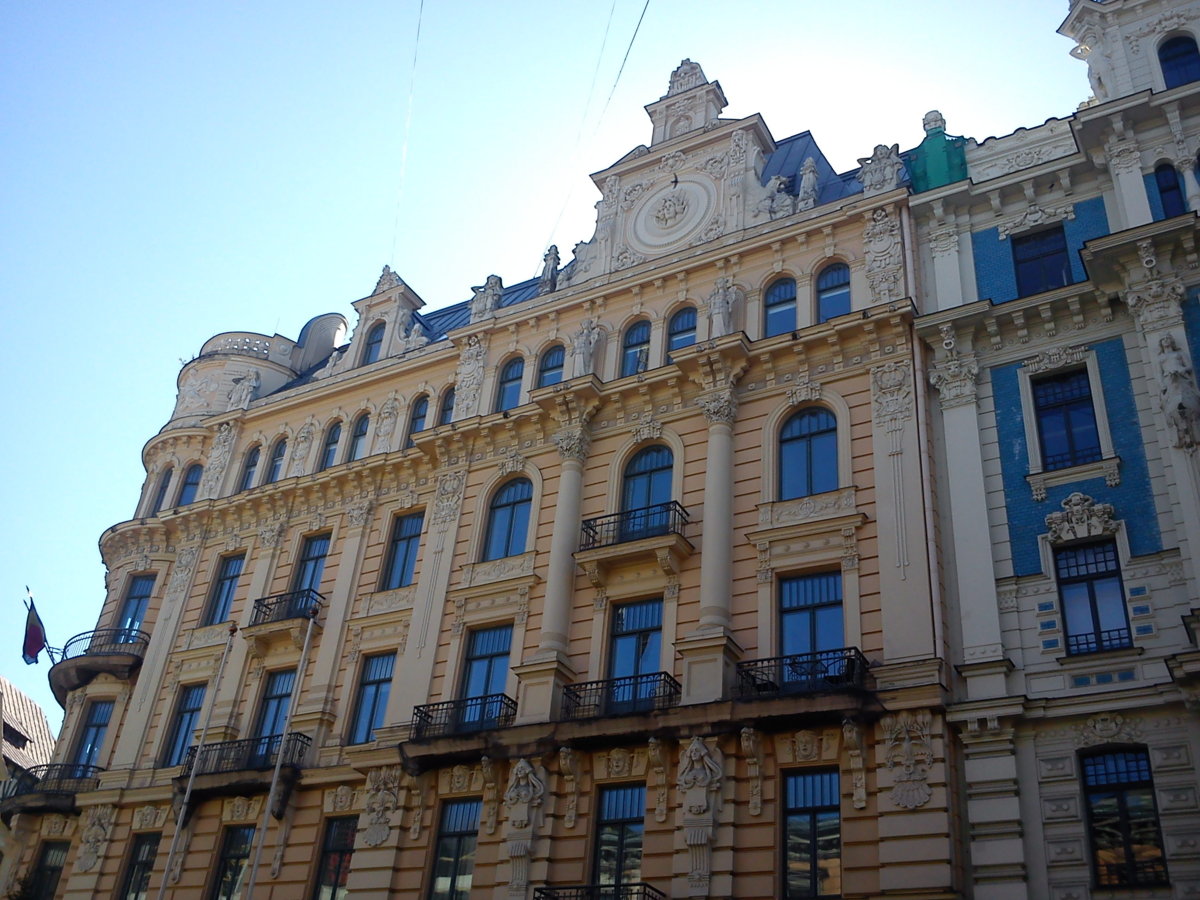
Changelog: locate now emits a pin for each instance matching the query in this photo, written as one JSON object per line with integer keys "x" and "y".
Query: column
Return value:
{"x": 1125, "y": 165}
{"x": 1186, "y": 165}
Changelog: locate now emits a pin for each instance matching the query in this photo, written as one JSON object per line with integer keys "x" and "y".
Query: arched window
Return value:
{"x": 808, "y": 454}
{"x": 508, "y": 391}
{"x": 779, "y": 307}
{"x": 646, "y": 493}
{"x": 278, "y": 456}
{"x": 1169, "y": 191}
{"x": 160, "y": 493}
{"x": 374, "y": 343}
{"x": 333, "y": 434}
{"x": 446, "y": 414}
{"x": 635, "y": 349}
{"x": 191, "y": 484}
{"x": 1180, "y": 61}
{"x": 249, "y": 468}
{"x": 833, "y": 292}
{"x": 358, "y": 438}
{"x": 550, "y": 368}
{"x": 416, "y": 420}
{"x": 681, "y": 330}
{"x": 508, "y": 520}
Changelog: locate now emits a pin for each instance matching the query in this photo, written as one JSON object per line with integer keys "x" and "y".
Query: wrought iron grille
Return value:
{"x": 804, "y": 673}
{"x": 463, "y": 716}
{"x": 292, "y": 605}
{"x": 638, "y": 891}
{"x": 620, "y": 696}
{"x": 1095, "y": 641}
{"x": 106, "y": 642}
{"x": 248, "y": 755}
{"x": 633, "y": 525}
{"x": 56, "y": 778}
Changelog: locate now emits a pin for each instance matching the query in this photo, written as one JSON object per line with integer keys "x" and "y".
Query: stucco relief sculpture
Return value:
{"x": 686, "y": 76}
{"x": 852, "y": 743}
{"x": 196, "y": 393}
{"x": 909, "y": 756}
{"x": 300, "y": 445}
{"x": 387, "y": 280}
{"x": 752, "y": 751}
{"x": 523, "y": 799}
{"x": 719, "y": 407}
{"x": 583, "y": 348}
{"x": 884, "y": 252}
{"x": 1180, "y": 398}
{"x": 469, "y": 379}
{"x": 218, "y": 459}
{"x": 720, "y": 308}
{"x": 568, "y": 766}
{"x": 955, "y": 379}
{"x": 807, "y": 196}
{"x": 548, "y": 281}
{"x": 881, "y": 170}
{"x": 572, "y": 442}
{"x": 699, "y": 784}
{"x": 657, "y": 757}
{"x": 487, "y": 298}
{"x": 776, "y": 202}
{"x": 670, "y": 209}
{"x": 386, "y": 424}
{"x": 1081, "y": 517}
{"x": 243, "y": 390}
{"x": 97, "y": 825}
{"x": 383, "y": 795}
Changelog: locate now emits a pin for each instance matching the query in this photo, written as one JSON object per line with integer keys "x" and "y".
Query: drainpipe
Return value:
{"x": 260, "y": 836}
{"x": 187, "y": 794}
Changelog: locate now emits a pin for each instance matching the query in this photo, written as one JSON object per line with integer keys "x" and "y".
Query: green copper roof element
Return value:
{"x": 939, "y": 159}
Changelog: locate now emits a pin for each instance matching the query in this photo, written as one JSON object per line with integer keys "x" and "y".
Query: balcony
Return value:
{"x": 232, "y": 768}
{"x": 462, "y": 717}
{"x": 822, "y": 672}
{"x": 638, "y": 891}
{"x": 631, "y": 695}
{"x": 284, "y": 607}
{"x": 108, "y": 651}
{"x": 654, "y": 521}
{"x": 50, "y": 788}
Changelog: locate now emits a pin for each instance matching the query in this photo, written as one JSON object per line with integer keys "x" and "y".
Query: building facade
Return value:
{"x": 809, "y": 534}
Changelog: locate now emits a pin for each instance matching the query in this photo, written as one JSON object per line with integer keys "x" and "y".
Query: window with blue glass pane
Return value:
{"x": 142, "y": 851}
{"x": 374, "y": 344}
{"x": 232, "y": 867}
{"x": 681, "y": 330}
{"x": 811, "y": 630}
{"x": 137, "y": 601}
{"x": 278, "y": 455}
{"x": 91, "y": 737}
{"x": 358, "y": 438}
{"x": 1126, "y": 842}
{"x": 550, "y": 368}
{"x": 310, "y": 567}
{"x": 634, "y": 656}
{"x": 446, "y": 415}
{"x": 1092, "y": 598}
{"x": 812, "y": 836}
{"x": 508, "y": 520}
{"x": 508, "y": 390}
{"x": 416, "y": 421}
{"x": 635, "y": 349}
{"x": 402, "y": 551}
{"x": 272, "y": 717}
{"x": 333, "y": 434}
{"x": 191, "y": 484}
{"x": 183, "y": 726}
{"x": 619, "y": 834}
{"x": 485, "y": 674}
{"x": 1180, "y": 61}
{"x": 1041, "y": 261}
{"x": 779, "y": 307}
{"x": 808, "y": 454}
{"x": 454, "y": 853}
{"x": 371, "y": 703}
{"x": 160, "y": 495}
{"x": 249, "y": 469}
{"x": 1170, "y": 193}
{"x": 1066, "y": 420}
{"x": 646, "y": 493}
{"x": 221, "y": 601}
{"x": 833, "y": 291}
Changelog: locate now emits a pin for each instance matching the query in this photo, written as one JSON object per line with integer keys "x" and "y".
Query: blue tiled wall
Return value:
{"x": 1131, "y": 498}
{"x": 1191, "y": 324}
{"x": 995, "y": 278}
{"x": 1152, "y": 194}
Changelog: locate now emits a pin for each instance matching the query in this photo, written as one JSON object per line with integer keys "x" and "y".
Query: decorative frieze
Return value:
{"x": 1081, "y": 517}
{"x": 909, "y": 754}
{"x": 1055, "y": 358}
{"x": 1035, "y": 216}
{"x": 808, "y": 509}
{"x": 1106, "y": 728}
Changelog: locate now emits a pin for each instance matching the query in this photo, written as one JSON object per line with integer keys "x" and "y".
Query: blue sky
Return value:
{"x": 171, "y": 171}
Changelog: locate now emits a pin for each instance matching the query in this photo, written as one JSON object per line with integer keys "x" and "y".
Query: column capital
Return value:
{"x": 573, "y": 442}
{"x": 719, "y": 407}
{"x": 1157, "y": 303}
{"x": 955, "y": 378}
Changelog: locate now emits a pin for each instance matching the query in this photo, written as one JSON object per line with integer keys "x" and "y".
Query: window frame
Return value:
{"x": 88, "y": 748}
{"x": 329, "y": 446}
{"x": 308, "y": 561}
{"x": 504, "y": 512}
{"x": 139, "y": 590}
{"x": 189, "y": 487}
{"x": 1122, "y": 788}
{"x": 807, "y": 446}
{"x": 418, "y": 418}
{"x": 221, "y": 871}
{"x": 1078, "y": 642}
{"x": 446, "y": 407}
{"x": 340, "y": 854}
{"x": 509, "y": 383}
{"x": 552, "y": 366}
{"x": 184, "y": 719}
{"x": 675, "y": 331}
{"x": 160, "y": 491}
{"x": 224, "y": 589}
{"x": 249, "y": 470}
{"x": 624, "y": 826}
{"x": 1171, "y": 194}
{"x": 792, "y": 792}
{"x": 635, "y": 352}
{"x": 404, "y": 545}
{"x": 278, "y": 461}
{"x": 773, "y": 302}
{"x": 373, "y": 345}
{"x": 371, "y": 697}
{"x": 358, "y": 437}
{"x": 1033, "y": 444}
{"x": 1024, "y": 278}
{"x": 46, "y": 889}
{"x": 801, "y": 611}
{"x": 1180, "y": 61}
{"x": 455, "y": 840}
{"x": 826, "y": 293}
{"x": 139, "y": 865}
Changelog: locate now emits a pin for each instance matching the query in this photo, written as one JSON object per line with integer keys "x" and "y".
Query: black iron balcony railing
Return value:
{"x": 821, "y": 672}
{"x": 56, "y": 778}
{"x": 638, "y": 891}
{"x": 633, "y": 525}
{"x": 106, "y": 642}
{"x": 1096, "y": 641}
{"x": 292, "y": 605}
{"x": 248, "y": 755}
{"x": 463, "y": 716}
{"x": 620, "y": 696}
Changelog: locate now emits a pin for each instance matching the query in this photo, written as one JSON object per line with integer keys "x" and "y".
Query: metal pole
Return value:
{"x": 260, "y": 837}
{"x": 187, "y": 794}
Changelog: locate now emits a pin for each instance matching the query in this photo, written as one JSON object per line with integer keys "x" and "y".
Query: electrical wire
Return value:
{"x": 412, "y": 80}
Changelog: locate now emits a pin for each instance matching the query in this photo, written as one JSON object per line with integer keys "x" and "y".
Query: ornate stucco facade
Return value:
{"x": 727, "y": 560}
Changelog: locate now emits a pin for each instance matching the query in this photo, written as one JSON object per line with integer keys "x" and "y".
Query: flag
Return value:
{"x": 35, "y": 635}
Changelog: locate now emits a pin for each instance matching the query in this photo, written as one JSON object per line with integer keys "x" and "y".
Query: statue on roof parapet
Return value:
{"x": 549, "y": 279}
{"x": 487, "y": 298}
{"x": 881, "y": 170}
{"x": 687, "y": 76}
{"x": 807, "y": 198}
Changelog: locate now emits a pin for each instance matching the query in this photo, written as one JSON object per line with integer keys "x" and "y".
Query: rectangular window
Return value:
{"x": 1041, "y": 261}
{"x": 402, "y": 551}
{"x": 1127, "y": 847}
{"x": 636, "y": 657}
{"x": 142, "y": 851}
{"x": 485, "y": 675}
{"x": 137, "y": 600}
{"x": 334, "y": 866}
{"x": 221, "y": 601}
{"x": 454, "y": 855}
{"x": 51, "y": 862}
{"x": 373, "y": 687}
{"x": 619, "y": 827}
{"x": 311, "y": 564}
{"x": 812, "y": 836}
{"x": 183, "y": 726}
{"x": 95, "y": 727}
{"x": 231, "y": 865}
{"x": 272, "y": 717}
{"x": 1092, "y": 598}
{"x": 1066, "y": 420}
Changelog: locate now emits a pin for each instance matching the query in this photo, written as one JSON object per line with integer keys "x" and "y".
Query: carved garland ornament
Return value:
{"x": 1081, "y": 517}
{"x": 909, "y": 756}
{"x": 383, "y": 796}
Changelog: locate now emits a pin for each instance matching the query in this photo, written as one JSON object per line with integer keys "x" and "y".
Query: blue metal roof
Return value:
{"x": 788, "y": 159}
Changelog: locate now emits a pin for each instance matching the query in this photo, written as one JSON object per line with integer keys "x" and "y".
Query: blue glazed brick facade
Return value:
{"x": 995, "y": 277}
{"x": 1131, "y": 498}
{"x": 1191, "y": 323}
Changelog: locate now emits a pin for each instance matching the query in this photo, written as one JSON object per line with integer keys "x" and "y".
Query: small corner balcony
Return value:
{"x": 636, "y": 891}
{"x": 106, "y": 651}
{"x": 49, "y": 788}
{"x": 286, "y": 607}
{"x": 802, "y": 674}
{"x": 630, "y": 695}
{"x": 457, "y": 718}
{"x": 232, "y": 768}
{"x": 651, "y": 532}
